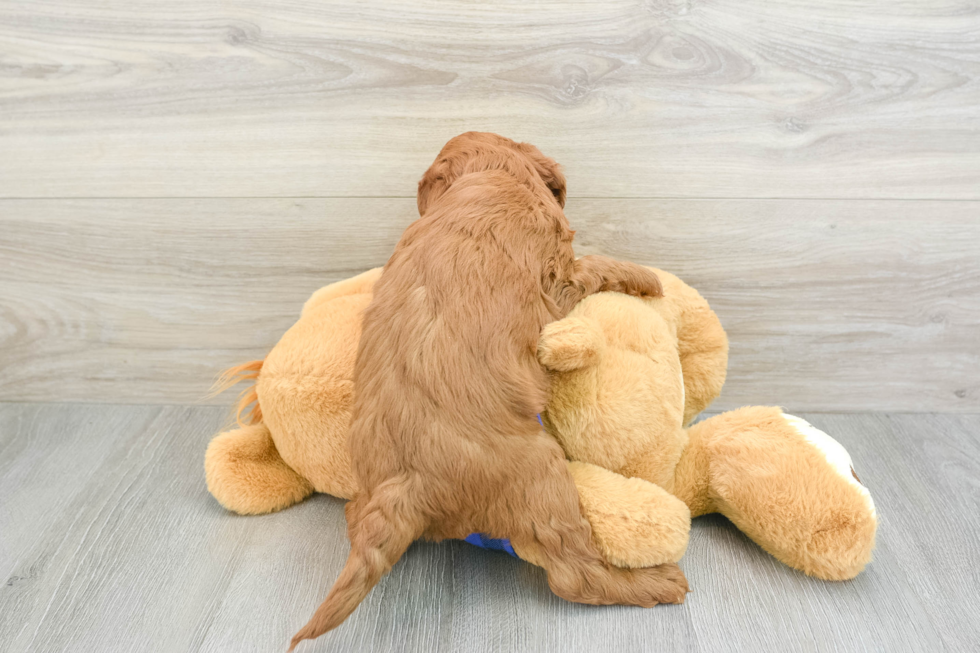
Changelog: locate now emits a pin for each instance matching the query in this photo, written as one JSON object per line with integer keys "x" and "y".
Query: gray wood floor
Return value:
{"x": 110, "y": 542}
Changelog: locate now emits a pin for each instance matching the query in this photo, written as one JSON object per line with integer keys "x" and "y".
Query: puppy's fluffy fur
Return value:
{"x": 444, "y": 436}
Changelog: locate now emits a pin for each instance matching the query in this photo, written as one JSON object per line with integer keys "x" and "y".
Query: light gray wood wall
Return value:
{"x": 176, "y": 178}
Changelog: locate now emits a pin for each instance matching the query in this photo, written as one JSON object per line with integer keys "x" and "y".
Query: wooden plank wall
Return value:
{"x": 176, "y": 178}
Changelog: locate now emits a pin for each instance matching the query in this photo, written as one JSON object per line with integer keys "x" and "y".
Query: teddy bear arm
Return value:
{"x": 704, "y": 369}
{"x": 362, "y": 283}
{"x": 703, "y": 349}
{"x": 701, "y": 341}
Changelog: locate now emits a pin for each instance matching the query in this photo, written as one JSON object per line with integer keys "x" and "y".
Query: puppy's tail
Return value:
{"x": 381, "y": 526}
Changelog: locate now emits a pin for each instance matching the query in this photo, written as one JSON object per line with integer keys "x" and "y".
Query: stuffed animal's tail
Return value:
{"x": 244, "y": 415}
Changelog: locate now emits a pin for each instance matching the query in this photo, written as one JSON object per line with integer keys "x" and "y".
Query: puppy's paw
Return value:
{"x": 641, "y": 282}
{"x": 662, "y": 584}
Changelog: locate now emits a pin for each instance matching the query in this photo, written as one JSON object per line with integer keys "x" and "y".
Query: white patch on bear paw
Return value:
{"x": 834, "y": 452}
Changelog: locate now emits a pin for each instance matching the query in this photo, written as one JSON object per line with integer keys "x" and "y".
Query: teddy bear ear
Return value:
{"x": 571, "y": 344}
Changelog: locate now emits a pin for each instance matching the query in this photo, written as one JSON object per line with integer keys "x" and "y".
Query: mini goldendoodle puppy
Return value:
{"x": 444, "y": 437}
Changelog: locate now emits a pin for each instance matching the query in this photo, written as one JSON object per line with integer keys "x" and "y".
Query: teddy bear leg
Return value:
{"x": 545, "y": 514}
{"x": 791, "y": 488}
{"x": 246, "y": 475}
{"x": 634, "y": 523}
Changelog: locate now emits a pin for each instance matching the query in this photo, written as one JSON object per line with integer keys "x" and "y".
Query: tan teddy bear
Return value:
{"x": 628, "y": 374}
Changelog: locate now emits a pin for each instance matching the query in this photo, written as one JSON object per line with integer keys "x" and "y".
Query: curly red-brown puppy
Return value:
{"x": 444, "y": 436}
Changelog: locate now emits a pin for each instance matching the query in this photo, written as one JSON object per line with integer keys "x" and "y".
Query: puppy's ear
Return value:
{"x": 571, "y": 344}
{"x": 556, "y": 182}
{"x": 550, "y": 173}
{"x": 433, "y": 184}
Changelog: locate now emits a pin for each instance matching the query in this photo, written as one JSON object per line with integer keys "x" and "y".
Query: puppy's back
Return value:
{"x": 449, "y": 340}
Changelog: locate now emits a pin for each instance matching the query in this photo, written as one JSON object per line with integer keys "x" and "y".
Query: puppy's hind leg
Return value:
{"x": 554, "y": 526}
{"x": 381, "y": 524}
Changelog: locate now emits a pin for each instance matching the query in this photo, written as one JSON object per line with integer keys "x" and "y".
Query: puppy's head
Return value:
{"x": 479, "y": 151}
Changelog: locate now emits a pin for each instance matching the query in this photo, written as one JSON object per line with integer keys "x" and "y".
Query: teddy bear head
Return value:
{"x": 617, "y": 390}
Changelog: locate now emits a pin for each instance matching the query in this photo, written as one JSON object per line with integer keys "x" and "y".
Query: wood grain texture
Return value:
{"x": 653, "y": 98}
{"x": 830, "y": 306}
{"x": 111, "y": 543}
